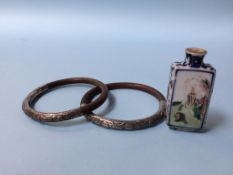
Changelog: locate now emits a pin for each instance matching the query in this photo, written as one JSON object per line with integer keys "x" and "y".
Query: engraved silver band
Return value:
{"x": 31, "y": 99}
{"x": 126, "y": 124}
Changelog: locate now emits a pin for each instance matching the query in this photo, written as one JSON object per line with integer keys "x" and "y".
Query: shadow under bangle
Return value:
{"x": 126, "y": 124}
{"x": 31, "y": 99}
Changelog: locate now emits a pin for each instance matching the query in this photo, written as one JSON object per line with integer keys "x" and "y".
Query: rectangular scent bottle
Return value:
{"x": 189, "y": 92}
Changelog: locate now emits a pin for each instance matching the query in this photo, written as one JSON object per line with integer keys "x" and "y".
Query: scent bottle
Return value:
{"x": 189, "y": 92}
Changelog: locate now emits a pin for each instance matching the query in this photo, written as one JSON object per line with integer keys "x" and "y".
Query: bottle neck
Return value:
{"x": 194, "y": 60}
{"x": 195, "y": 57}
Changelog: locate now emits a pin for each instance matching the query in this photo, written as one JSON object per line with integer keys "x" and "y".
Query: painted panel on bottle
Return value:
{"x": 189, "y": 102}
